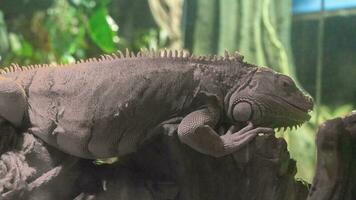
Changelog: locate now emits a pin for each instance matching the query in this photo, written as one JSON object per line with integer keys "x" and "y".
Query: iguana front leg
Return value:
{"x": 196, "y": 130}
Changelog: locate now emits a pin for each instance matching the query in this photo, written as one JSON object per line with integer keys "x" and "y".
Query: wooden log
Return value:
{"x": 335, "y": 177}
{"x": 167, "y": 169}
{"x": 54, "y": 174}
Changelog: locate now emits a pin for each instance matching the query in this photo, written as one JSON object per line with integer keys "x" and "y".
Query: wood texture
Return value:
{"x": 167, "y": 169}
{"x": 335, "y": 177}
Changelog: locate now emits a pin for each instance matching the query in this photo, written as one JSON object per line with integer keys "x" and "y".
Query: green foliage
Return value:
{"x": 103, "y": 30}
{"x": 150, "y": 39}
{"x": 19, "y": 46}
{"x": 68, "y": 30}
{"x": 65, "y": 31}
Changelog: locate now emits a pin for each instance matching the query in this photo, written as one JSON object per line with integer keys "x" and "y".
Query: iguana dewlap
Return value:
{"x": 108, "y": 107}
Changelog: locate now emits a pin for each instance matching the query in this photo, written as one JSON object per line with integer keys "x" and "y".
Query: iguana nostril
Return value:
{"x": 242, "y": 112}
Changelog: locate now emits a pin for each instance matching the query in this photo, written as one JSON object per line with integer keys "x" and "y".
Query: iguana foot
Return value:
{"x": 234, "y": 141}
{"x": 207, "y": 141}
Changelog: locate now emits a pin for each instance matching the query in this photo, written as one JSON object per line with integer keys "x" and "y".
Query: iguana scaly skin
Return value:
{"x": 108, "y": 107}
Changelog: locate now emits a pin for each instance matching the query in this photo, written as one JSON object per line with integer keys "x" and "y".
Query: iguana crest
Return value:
{"x": 169, "y": 54}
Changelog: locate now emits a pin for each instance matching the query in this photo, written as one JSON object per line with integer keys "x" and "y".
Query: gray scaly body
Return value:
{"x": 110, "y": 106}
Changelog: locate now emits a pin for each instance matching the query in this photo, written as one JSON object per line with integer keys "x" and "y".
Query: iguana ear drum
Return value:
{"x": 12, "y": 101}
{"x": 242, "y": 111}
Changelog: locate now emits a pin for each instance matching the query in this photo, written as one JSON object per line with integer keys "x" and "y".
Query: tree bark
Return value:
{"x": 335, "y": 177}
{"x": 167, "y": 169}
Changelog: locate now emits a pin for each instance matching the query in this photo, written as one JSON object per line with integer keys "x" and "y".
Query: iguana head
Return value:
{"x": 12, "y": 101}
{"x": 269, "y": 99}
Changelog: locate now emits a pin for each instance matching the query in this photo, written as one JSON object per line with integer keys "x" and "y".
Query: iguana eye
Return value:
{"x": 287, "y": 84}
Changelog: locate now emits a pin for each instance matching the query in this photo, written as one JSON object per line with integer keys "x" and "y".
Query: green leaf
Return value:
{"x": 20, "y": 46}
{"x": 103, "y": 30}
{"x": 104, "y": 2}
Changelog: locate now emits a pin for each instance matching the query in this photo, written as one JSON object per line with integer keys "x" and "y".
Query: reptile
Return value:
{"x": 109, "y": 106}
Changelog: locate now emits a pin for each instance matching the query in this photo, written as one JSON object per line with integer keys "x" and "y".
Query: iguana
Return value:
{"x": 109, "y": 106}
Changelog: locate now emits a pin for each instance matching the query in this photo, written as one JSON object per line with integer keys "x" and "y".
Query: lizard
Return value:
{"x": 108, "y": 106}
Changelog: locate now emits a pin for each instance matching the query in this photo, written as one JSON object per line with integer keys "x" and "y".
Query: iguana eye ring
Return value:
{"x": 285, "y": 83}
{"x": 242, "y": 111}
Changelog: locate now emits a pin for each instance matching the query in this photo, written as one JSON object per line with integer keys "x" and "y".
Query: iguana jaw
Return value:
{"x": 283, "y": 114}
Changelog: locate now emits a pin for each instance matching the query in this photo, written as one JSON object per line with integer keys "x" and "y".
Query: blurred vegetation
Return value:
{"x": 65, "y": 30}
{"x": 301, "y": 142}
{"x": 258, "y": 29}
{"x": 46, "y": 31}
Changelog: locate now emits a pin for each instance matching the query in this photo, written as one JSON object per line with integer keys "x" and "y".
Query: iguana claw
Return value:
{"x": 236, "y": 140}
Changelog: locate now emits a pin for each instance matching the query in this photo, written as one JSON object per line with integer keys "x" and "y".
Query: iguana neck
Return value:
{"x": 219, "y": 79}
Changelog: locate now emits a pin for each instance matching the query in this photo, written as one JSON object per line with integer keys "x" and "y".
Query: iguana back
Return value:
{"x": 86, "y": 107}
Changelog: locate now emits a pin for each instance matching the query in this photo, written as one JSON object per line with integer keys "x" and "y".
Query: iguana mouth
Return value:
{"x": 294, "y": 120}
{"x": 289, "y": 124}
{"x": 288, "y": 116}
{"x": 284, "y": 122}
